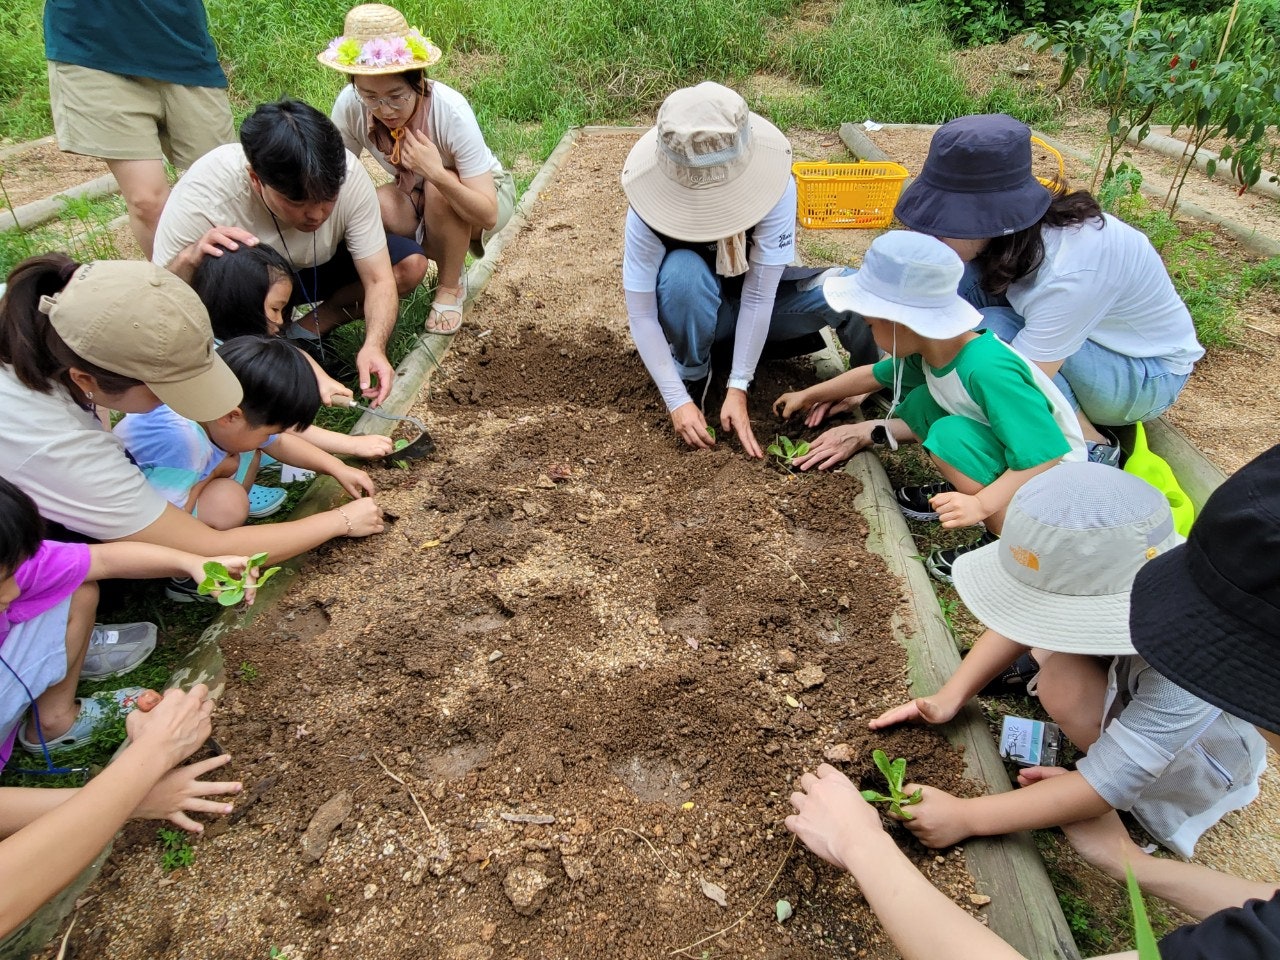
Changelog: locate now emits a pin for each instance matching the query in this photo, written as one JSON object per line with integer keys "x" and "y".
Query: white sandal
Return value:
{"x": 447, "y": 326}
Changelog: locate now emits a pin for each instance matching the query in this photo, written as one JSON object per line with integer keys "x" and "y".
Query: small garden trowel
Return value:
{"x": 420, "y": 446}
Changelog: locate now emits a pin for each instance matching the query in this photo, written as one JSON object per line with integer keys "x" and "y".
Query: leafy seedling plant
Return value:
{"x": 177, "y": 851}
{"x": 895, "y": 775}
{"x": 786, "y": 451}
{"x": 231, "y": 589}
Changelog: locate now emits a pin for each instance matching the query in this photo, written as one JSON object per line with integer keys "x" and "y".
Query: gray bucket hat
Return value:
{"x": 977, "y": 181}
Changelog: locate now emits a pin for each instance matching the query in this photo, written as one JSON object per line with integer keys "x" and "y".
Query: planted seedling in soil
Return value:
{"x": 177, "y": 850}
{"x": 895, "y": 775}
{"x": 231, "y": 589}
{"x": 786, "y": 451}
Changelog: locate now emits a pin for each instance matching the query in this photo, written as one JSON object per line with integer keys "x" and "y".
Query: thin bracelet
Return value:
{"x": 342, "y": 513}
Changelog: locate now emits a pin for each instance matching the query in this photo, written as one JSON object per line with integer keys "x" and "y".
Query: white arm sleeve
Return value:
{"x": 759, "y": 289}
{"x": 642, "y": 311}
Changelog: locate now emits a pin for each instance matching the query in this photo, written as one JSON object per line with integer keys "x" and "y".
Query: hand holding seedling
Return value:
{"x": 733, "y": 417}
{"x": 232, "y": 579}
{"x": 894, "y": 773}
{"x": 691, "y": 426}
{"x": 832, "y": 819}
{"x": 835, "y": 446}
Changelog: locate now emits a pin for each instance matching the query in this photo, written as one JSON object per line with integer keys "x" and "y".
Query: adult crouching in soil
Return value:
{"x": 79, "y": 340}
{"x": 1078, "y": 292}
{"x": 451, "y": 194}
{"x": 710, "y": 235}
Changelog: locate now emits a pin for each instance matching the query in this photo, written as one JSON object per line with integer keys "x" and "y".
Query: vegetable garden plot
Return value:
{"x": 559, "y": 705}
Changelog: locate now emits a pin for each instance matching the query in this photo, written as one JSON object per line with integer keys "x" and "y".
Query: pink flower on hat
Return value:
{"x": 376, "y": 53}
{"x": 398, "y": 51}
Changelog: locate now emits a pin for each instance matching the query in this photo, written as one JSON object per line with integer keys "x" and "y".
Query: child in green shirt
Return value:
{"x": 990, "y": 419}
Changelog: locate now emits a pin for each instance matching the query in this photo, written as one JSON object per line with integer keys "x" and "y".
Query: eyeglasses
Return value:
{"x": 395, "y": 103}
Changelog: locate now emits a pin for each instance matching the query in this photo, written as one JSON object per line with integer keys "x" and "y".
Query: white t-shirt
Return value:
{"x": 1107, "y": 285}
{"x": 451, "y": 125}
{"x": 216, "y": 192}
{"x": 77, "y": 473}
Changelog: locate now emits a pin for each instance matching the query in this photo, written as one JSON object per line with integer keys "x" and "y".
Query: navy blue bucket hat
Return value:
{"x": 977, "y": 181}
{"x": 1206, "y": 614}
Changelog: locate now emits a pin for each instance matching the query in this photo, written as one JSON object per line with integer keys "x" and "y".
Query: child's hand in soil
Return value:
{"x": 174, "y": 727}
{"x": 793, "y": 402}
{"x": 354, "y": 480}
{"x": 733, "y": 417}
{"x": 691, "y": 426}
{"x": 835, "y": 446}
{"x": 957, "y": 509}
{"x": 360, "y": 518}
{"x": 831, "y": 818}
{"x": 371, "y": 446}
{"x": 181, "y": 792}
{"x": 938, "y": 820}
{"x": 921, "y": 710}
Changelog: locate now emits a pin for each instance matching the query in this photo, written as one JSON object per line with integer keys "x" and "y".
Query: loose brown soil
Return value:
{"x": 572, "y": 619}
{"x": 43, "y": 170}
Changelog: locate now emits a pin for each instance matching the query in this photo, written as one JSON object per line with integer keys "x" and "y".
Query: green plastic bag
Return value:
{"x": 1155, "y": 469}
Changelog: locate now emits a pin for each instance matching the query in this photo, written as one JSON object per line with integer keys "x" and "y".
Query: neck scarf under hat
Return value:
{"x": 388, "y": 142}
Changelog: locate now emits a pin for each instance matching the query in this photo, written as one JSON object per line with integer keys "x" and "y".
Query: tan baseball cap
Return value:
{"x": 139, "y": 320}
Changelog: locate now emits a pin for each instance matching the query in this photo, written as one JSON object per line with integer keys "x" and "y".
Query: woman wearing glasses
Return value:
{"x": 450, "y": 193}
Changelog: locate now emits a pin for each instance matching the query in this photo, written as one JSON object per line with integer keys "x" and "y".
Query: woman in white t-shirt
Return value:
{"x": 451, "y": 193}
{"x": 1080, "y": 293}
{"x": 79, "y": 340}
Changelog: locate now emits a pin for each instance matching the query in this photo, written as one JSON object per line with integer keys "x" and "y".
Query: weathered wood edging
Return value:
{"x": 40, "y": 211}
{"x": 205, "y": 663}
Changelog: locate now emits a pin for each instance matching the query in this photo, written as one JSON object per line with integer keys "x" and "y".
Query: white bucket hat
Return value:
{"x": 709, "y": 168}
{"x": 1059, "y": 577}
{"x": 908, "y": 278}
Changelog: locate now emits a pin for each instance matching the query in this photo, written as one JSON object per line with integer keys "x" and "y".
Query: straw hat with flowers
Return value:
{"x": 377, "y": 39}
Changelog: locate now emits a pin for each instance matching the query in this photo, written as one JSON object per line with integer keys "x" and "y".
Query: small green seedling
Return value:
{"x": 400, "y": 444}
{"x": 248, "y": 672}
{"x": 231, "y": 589}
{"x": 177, "y": 851}
{"x": 895, "y": 774}
{"x": 401, "y": 464}
{"x": 711, "y": 431}
{"x": 786, "y": 451}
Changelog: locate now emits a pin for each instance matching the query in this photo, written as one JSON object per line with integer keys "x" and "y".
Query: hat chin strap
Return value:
{"x": 897, "y": 391}
{"x": 731, "y": 255}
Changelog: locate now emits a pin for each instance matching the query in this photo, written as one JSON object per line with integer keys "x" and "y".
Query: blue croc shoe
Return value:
{"x": 94, "y": 712}
{"x": 264, "y": 501}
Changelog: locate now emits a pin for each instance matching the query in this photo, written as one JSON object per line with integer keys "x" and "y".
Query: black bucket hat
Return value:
{"x": 1206, "y": 614}
{"x": 977, "y": 181}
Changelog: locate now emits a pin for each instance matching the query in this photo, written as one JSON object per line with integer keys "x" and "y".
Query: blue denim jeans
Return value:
{"x": 1111, "y": 388}
{"x": 696, "y": 314}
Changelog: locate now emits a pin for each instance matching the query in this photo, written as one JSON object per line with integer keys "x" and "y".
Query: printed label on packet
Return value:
{"x": 1030, "y": 743}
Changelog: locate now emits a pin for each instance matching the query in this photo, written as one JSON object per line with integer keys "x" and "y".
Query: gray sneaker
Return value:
{"x": 1107, "y": 454}
{"x": 117, "y": 648}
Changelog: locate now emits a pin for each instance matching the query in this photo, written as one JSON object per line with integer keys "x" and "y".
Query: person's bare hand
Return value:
{"x": 181, "y": 792}
{"x": 1105, "y": 843}
{"x": 957, "y": 509}
{"x": 217, "y": 239}
{"x": 372, "y": 365}
{"x": 938, "y": 820}
{"x": 355, "y": 481}
{"x": 235, "y": 565}
{"x": 421, "y": 155}
{"x": 691, "y": 426}
{"x": 364, "y": 515}
{"x": 835, "y": 446}
{"x": 369, "y": 446}
{"x": 793, "y": 402}
{"x": 334, "y": 393}
{"x": 919, "y": 710}
{"x": 733, "y": 417}
{"x": 175, "y": 727}
{"x": 831, "y": 814}
{"x": 1030, "y": 775}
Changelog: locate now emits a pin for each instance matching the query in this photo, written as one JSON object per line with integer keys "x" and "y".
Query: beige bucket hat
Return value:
{"x": 139, "y": 320}
{"x": 709, "y": 168}
{"x": 377, "y": 39}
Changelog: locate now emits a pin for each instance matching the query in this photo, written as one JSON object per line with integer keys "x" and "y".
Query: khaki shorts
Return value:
{"x": 115, "y": 117}
{"x": 506, "y": 187}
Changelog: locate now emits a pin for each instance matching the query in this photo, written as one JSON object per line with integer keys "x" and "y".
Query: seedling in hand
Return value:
{"x": 895, "y": 774}
{"x": 786, "y": 451}
{"x": 711, "y": 431}
{"x": 231, "y": 590}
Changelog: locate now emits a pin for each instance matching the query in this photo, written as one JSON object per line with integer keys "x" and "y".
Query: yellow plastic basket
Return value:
{"x": 847, "y": 195}
{"x": 1051, "y": 182}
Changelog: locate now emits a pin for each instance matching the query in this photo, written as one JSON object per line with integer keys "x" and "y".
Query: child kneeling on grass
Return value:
{"x": 48, "y": 640}
{"x": 990, "y": 419}
{"x": 1057, "y": 584}
{"x": 197, "y": 466}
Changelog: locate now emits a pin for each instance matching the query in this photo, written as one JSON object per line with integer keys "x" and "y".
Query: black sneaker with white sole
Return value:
{"x": 914, "y": 501}
{"x": 186, "y": 590}
{"x": 940, "y": 562}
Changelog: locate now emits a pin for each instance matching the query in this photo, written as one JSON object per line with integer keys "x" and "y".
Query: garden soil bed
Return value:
{"x": 597, "y": 662}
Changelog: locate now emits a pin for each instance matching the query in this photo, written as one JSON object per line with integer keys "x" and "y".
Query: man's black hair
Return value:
{"x": 279, "y": 387}
{"x": 21, "y": 528}
{"x": 233, "y": 288}
{"x": 295, "y": 150}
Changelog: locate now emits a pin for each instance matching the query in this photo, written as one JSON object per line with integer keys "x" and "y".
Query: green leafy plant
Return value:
{"x": 786, "y": 451}
{"x": 248, "y": 672}
{"x": 895, "y": 775}
{"x": 231, "y": 589}
{"x": 400, "y": 444}
{"x": 176, "y": 849}
{"x": 711, "y": 431}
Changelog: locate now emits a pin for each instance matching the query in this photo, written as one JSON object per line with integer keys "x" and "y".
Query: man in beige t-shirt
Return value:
{"x": 291, "y": 183}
